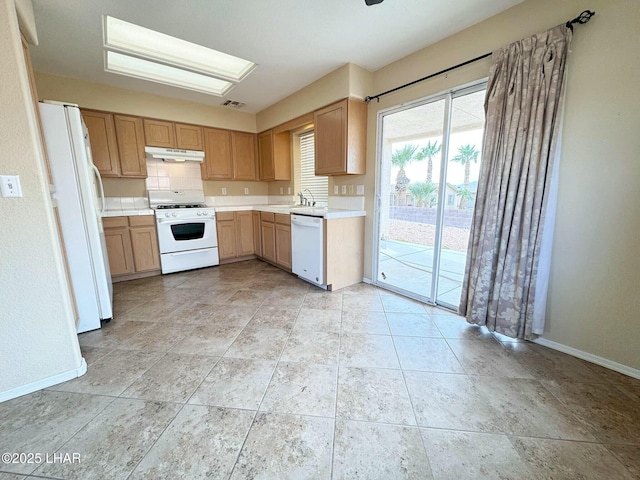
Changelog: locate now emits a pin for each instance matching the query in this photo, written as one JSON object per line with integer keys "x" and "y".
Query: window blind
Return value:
{"x": 319, "y": 186}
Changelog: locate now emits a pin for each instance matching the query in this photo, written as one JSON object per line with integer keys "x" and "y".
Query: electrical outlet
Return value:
{"x": 350, "y": 189}
{"x": 335, "y": 190}
{"x": 281, "y": 190}
{"x": 344, "y": 189}
{"x": 10, "y": 186}
{"x": 246, "y": 190}
{"x": 288, "y": 190}
{"x": 224, "y": 191}
{"x": 360, "y": 189}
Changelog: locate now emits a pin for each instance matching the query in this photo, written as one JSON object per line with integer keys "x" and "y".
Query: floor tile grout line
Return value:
{"x": 182, "y": 406}
{"x": 335, "y": 408}
{"x": 244, "y": 441}
{"x": 413, "y": 408}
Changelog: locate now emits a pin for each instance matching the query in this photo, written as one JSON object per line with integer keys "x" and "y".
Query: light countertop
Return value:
{"x": 323, "y": 212}
{"x": 127, "y": 213}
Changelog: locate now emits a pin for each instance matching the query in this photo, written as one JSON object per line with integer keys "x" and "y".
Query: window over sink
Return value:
{"x": 305, "y": 179}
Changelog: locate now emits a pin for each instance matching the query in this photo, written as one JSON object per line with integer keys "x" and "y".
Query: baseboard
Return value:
{"x": 366, "y": 280}
{"x": 589, "y": 357}
{"x": 44, "y": 383}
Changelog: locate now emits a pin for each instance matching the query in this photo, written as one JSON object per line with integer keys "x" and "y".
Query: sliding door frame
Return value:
{"x": 448, "y": 96}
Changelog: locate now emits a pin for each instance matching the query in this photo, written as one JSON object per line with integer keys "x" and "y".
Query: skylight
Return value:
{"x": 142, "y": 53}
{"x": 159, "y": 73}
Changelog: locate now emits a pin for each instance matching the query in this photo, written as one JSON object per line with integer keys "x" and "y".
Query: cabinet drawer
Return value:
{"x": 267, "y": 217}
{"x": 224, "y": 216}
{"x": 115, "y": 222}
{"x": 283, "y": 219}
{"x": 142, "y": 221}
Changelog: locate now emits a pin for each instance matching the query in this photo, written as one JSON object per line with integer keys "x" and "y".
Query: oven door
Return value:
{"x": 179, "y": 235}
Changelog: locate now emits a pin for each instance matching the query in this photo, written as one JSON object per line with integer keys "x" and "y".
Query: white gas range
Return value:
{"x": 186, "y": 230}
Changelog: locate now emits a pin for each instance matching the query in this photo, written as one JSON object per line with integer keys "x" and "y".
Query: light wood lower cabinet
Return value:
{"x": 257, "y": 234}
{"x": 235, "y": 234}
{"x": 132, "y": 246}
{"x": 276, "y": 239}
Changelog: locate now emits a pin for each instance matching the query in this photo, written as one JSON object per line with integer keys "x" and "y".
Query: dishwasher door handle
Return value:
{"x": 306, "y": 224}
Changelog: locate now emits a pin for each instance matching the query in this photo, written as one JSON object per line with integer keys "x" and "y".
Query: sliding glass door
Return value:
{"x": 429, "y": 156}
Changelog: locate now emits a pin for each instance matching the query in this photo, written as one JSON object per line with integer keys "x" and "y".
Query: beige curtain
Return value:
{"x": 523, "y": 110}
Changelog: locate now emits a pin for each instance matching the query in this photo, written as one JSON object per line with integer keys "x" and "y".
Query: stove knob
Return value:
{"x": 167, "y": 214}
{"x": 199, "y": 213}
{"x": 205, "y": 213}
{"x": 174, "y": 214}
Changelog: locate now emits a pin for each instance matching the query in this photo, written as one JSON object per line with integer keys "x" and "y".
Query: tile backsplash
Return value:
{"x": 173, "y": 176}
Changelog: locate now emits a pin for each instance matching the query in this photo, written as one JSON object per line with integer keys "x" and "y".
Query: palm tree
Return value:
{"x": 423, "y": 192}
{"x": 401, "y": 158}
{"x": 466, "y": 154}
{"x": 429, "y": 151}
{"x": 465, "y": 196}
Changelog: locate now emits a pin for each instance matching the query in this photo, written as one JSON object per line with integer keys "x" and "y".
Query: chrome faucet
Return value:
{"x": 312, "y": 198}
{"x": 303, "y": 201}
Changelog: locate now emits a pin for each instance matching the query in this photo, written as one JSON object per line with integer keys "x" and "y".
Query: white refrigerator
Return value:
{"x": 80, "y": 198}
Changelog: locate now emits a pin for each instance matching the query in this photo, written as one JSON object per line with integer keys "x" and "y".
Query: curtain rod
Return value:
{"x": 581, "y": 19}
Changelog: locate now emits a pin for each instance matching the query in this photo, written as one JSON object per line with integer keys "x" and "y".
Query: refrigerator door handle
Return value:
{"x": 97, "y": 173}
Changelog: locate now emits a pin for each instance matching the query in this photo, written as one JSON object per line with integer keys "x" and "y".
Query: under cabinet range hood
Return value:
{"x": 173, "y": 154}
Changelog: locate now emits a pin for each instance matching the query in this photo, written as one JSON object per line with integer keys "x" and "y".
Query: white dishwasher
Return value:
{"x": 307, "y": 248}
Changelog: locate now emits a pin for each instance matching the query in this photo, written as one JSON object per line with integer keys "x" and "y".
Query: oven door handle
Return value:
{"x": 184, "y": 220}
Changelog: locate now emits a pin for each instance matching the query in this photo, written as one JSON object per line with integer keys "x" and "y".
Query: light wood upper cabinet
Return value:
{"x": 218, "y": 163}
{"x": 158, "y": 133}
{"x": 340, "y": 138}
{"x": 189, "y": 137}
{"x": 104, "y": 147}
{"x": 274, "y": 153}
{"x": 130, "y": 139}
{"x": 244, "y": 155}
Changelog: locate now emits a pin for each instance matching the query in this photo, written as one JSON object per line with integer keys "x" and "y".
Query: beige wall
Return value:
{"x": 594, "y": 291}
{"x": 236, "y": 188}
{"x": 38, "y": 338}
{"x": 105, "y": 97}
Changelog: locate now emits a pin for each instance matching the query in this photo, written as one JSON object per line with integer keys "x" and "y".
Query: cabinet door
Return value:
{"x": 283, "y": 245}
{"x": 227, "y": 239}
{"x": 265, "y": 155}
{"x": 130, "y": 138}
{"x": 102, "y": 137}
{"x": 144, "y": 243}
{"x": 119, "y": 251}
{"x": 189, "y": 137}
{"x": 244, "y": 233}
{"x": 244, "y": 155}
{"x": 159, "y": 134}
{"x": 268, "y": 241}
{"x": 218, "y": 164}
{"x": 331, "y": 139}
{"x": 257, "y": 237}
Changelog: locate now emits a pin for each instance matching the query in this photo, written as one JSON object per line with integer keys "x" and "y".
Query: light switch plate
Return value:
{"x": 10, "y": 186}
{"x": 288, "y": 190}
{"x": 335, "y": 190}
{"x": 344, "y": 189}
{"x": 246, "y": 190}
{"x": 281, "y": 190}
{"x": 224, "y": 191}
{"x": 360, "y": 189}
{"x": 350, "y": 189}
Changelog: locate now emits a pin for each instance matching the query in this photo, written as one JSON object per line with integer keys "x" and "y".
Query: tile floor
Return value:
{"x": 243, "y": 371}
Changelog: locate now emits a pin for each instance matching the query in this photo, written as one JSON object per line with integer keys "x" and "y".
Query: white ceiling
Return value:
{"x": 294, "y": 42}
